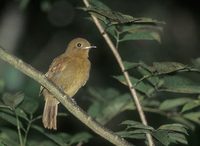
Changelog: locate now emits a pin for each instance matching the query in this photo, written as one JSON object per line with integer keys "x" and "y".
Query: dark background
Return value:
{"x": 39, "y": 31}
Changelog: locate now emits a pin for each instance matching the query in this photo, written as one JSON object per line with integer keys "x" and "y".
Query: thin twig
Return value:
{"x": 40, "y": 117}
{"x": 117, "y": 41}
{"x": 68, "y": 102}
{"x": 19, "y": 130}
{"x": 125, "y": 73}
{"x": 28, "y": 129}
{"x": 27, "y": 132}
{"x": 6, "y": 107}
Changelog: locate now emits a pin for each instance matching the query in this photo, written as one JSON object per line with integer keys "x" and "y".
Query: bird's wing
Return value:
{"x": 57, "y": 66}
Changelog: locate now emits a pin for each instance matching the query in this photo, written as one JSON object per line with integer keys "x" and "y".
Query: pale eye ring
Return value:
{"x": 79, "y": 45}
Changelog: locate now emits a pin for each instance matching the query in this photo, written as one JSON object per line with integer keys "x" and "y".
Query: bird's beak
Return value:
{"x": 90, "y": 47}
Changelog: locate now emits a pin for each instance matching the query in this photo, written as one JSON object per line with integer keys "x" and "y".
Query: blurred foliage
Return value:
{"x": 168, "y": 89}
{"x": 125, "y": 27}
{"x": 165, "y": 134}
{"x": 18, "y": 110}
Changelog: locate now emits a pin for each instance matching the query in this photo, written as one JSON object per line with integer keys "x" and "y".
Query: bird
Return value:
{"x": 69, "y": 71}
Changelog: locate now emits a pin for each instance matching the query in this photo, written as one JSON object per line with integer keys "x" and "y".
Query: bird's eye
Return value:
{"x": 79, "y": 45}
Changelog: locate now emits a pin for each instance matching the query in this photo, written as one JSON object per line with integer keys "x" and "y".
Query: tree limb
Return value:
{"x": 125, "y": 73}
{"x": 68, "y": 102}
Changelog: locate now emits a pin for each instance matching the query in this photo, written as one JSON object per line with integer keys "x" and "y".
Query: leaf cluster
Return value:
{"x": 165, "y": 88}
{"x": 165, "y": 134}
{"x": 18, "y": 111}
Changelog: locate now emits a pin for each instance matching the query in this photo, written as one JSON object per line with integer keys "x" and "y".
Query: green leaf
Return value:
{"x": 33, "y": 142}
{"x": 9, "y": 118}
{"x": 145, "y": 88}
{"x": 103, "y": 112}
{"x": 13, "y": 100}
{"x": 165, "y": 137}
{"x": 21, "y": 113}
{"x": 113, "y": 17}
{"x": 172, "y": 103}
{"x": 191, "y": 105}
{"x": 132, "y": 28}
{"x": 148, "y": 75}
{"x": 111, "y": 30}
{"x": 64, "y": 138}
{"x": 149, "y": 20}
{"x": 100, "y": 108}
{"x": 6, "y": 109}
{"x": 151, "y": 103}
{"x": 121, "y": 79}
{"x": 118, "y": 105}
{"x": 104, "y": 20}
{"x": 141, "y": 35}
{"x": 2, "y": 85}
{"x": 180, "y": 84}
{"x": 177, "y": 137}
{"x": 174, "y": 127}
{"x": 110, "y": 92}
{"x": 8, "y": 137}
{"x": 184, "y": 121}
{"x": 96, "y": 92}
{"x": 135, "y": 124}
{"x": 139, "y": 32}
{"x": 162, "y": 136}
{"x": 194, "y": 116}
{"x": 29, "y": 105}
{"x": 136, "y": 134}
{"x": 101, "y": 93}
{"x": 130, "y": 65}
{"x": 95, "y": 109}
{"x": 80, "y": 137}
{"x": 98, "y": 4}
{"x": 168, "y": 67}
{"x": 59, "y": 138}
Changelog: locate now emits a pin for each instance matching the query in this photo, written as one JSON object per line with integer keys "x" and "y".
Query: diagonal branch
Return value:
{"x": 68, "y": 102}
{"x": 125, "y": 73}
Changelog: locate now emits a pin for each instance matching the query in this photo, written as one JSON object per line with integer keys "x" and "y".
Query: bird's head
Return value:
{"x": 79, "y": 46}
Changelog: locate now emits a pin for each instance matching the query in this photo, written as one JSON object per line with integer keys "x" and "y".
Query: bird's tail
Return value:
{"x": 49, "y": 118}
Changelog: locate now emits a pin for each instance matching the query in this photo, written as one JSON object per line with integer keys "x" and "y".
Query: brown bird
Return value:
{"x": 69, "y": 71}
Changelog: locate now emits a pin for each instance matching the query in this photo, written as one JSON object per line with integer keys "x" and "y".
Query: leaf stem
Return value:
{"x": 125, "y": 73}
{"x": 19, "y": 130}
{"x": 27, "y": 129}
{"x": 6, "y": 107}
{"x": 40, "y": 117}
{"x": 36, "y": 118}
{"x": 117, "y": 40}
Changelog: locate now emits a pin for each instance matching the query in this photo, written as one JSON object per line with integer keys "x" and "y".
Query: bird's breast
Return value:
{"x": 74, "y": 75}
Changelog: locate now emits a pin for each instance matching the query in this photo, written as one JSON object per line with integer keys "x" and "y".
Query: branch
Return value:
{"x": 125, "y": 73}
{"x": 68, "y": 102}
